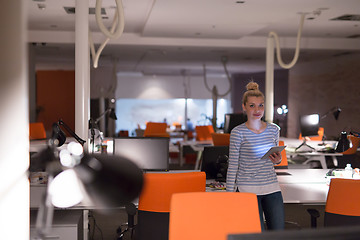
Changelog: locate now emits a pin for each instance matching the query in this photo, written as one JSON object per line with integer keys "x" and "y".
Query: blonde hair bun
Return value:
{"x": 252, "y": 86}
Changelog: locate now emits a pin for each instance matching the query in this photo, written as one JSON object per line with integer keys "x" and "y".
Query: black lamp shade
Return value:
{"x": 343, "y": 143}
{"x": 336, "y": 113}
{"x": 112, "y": 114}
{"x": 110, "y": 181}
{"x": 58, "y": 136}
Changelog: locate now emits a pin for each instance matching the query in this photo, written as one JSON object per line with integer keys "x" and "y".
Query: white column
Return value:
{"x": 82, "y": 70}
{"x": 269, "y": 81}
{"x": 14, "y": 126}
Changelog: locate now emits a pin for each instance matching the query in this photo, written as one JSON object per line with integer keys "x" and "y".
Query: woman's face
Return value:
{"x": 254, "y": 108}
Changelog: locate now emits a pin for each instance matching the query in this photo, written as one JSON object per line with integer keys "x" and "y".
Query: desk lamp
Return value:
{"x": 101, "y": 181}
{"x": 335, "y": 111}
{"x": 57, "y": 134}
{"x": 93, "y": 124}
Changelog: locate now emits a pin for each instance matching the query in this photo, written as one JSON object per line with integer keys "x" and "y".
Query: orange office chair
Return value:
{"x": 284, "y": 161}
{"x": 37, "y": 131}
{"x": 220, "y": 139}
{"x": 319, "y": 137}
{"x": 154, "y": 201}
{"x": 156, "y": 129}
{"x": 342, "y": 204}
{"x": 355, "y": 141}
{"x": 213, "y": 215}
{"x": 203, "y": 133}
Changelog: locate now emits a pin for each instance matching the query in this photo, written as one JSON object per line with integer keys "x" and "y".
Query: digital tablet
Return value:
{"x": 272, "y": 150}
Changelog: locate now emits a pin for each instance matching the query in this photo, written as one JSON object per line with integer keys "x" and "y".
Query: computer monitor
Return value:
{"x": 214, "y": 162}
{"x": 328, "y": 233}
{"x": 149, "y": 153}
{"x": 232, "y": 120}
{"x": 309, "y": 125}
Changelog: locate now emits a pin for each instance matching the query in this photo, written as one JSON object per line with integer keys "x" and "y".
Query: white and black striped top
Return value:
{"x": 247, "y": 171}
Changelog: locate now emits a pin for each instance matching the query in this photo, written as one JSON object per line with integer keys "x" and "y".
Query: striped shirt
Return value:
{"x": 247, "y": 171}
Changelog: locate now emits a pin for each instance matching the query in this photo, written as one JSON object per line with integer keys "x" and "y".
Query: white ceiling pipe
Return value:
{"x": 269, "y": 81}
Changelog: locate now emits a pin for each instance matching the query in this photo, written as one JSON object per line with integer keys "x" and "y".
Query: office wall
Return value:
{"x": 316, "y": 87}
{"x": 55, "y": 98}
{"x": 280, "y": 87}
{"x": 103, "y": 82}
{"x": 280, "y": 93}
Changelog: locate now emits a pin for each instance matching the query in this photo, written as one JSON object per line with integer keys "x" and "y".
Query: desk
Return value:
{"x": 197, "y": 146}
{"x": 319, "y": 156}
{"x": 303, "y": 186}
{"x": 309, "y": 153}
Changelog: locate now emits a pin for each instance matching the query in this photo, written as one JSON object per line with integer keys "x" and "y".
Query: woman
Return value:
{"x": 247, "y": 172}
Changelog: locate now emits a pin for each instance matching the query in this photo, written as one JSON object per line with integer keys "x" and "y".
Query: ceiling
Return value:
{"x": 174, "y": 37}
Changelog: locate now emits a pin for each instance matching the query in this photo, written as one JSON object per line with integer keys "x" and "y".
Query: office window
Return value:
{"x": 134, "y": 112}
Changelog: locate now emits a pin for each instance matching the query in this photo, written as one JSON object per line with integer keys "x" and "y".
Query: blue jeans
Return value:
{"x": 272, "y": 206}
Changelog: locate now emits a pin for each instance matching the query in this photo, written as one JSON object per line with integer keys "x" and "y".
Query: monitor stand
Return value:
{"x": 304, "y": 144}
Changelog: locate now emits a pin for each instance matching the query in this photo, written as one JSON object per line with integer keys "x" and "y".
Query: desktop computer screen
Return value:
{"x": 149, "y": 153}
{"x": 214, "y": 162}
{"x": 232, "y": 120}
{"x": 309, "y": 125}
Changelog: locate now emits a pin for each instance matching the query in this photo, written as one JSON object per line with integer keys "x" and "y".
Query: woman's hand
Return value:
{"x": 275, "y": 157}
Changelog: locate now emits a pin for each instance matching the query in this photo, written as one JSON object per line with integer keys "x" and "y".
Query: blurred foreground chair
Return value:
{"x": 284, "y": 161}
{"x": 203, "y": 133}
{"x": 37, "y": 131}
{"x": 154, "y": 201}
{"x": 156, "y": 129}
{"x": 342, "y": 204}
{"x": 220, "y": 139}
{"x": 213, "y": 215}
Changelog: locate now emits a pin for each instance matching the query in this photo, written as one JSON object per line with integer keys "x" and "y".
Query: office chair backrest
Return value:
{"x": 154, "y": 200}
{"x": 220, "y": 139}
{"x": 284, "y": 161}
{"x": 203, "y": 133}
{"x": 343, "y": 202}
{"x": 355, "y": 144}
{"x": 156, "y": 129}
{"x": 213, "y": 215}
{"x": 37, "y": 131}
{"x": 319, "y": 137}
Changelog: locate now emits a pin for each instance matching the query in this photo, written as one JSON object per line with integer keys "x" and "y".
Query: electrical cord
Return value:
{"x": 297, "y": 50}
{"x": 117, "y": 28}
